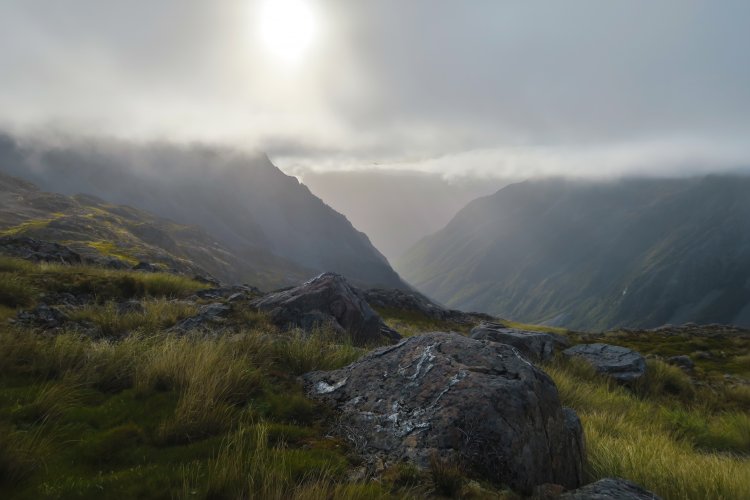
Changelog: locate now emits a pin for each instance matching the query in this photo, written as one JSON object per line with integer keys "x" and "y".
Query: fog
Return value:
{"x": 424, "y": 103}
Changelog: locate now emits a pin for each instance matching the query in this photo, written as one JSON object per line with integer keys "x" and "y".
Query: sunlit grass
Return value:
{"x": 654, "y": 440}
{"x": 150, "y": 316}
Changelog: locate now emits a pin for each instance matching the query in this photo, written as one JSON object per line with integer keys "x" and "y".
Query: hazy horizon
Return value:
{"x": 485, "y": 89}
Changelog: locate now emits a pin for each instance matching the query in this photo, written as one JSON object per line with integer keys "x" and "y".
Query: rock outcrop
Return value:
{"x": 327, "y": 300}
{"x": 405, "y": 300}
{"x": 38, "y": 250}
{"x": 620, "y": 363}
{"x": 610, "y": 489}
{"x": 537, "y": 346}
{"x": 210, "y": 317}
{"x": 476, "y": 402}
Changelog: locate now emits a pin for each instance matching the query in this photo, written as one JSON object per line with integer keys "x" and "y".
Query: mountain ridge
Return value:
{"x": 245, "y": 202}
{"x": 587, "y": 254}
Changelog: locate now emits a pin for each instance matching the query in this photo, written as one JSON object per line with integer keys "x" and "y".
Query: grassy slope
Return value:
{"x": 158, "y": 416}
{"x": 95, "y": 228}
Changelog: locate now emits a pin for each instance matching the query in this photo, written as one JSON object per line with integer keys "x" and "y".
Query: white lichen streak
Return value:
{"x": 458, "y": 377}
{"x": 426, "y": 357}
{"x": 325, "y": 388}
{"x": 519, "y": 356}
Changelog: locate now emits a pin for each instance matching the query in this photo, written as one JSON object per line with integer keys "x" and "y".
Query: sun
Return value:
{"x": 287, "y": 28}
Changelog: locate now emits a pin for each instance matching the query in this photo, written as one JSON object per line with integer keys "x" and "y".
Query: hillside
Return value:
{"x": 123, "y": 236}
{"x": 596, "y": 255}
{"x": 244, "y": 202}
{"x": 130, "y": 384}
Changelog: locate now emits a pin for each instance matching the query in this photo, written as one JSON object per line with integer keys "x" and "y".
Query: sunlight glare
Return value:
{"x": 287, "y": 28}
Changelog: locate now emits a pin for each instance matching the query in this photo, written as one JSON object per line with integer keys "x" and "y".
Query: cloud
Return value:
{"x": 502, "y": 89}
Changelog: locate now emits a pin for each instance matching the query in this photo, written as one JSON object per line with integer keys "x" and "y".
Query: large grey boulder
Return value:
{"x": 610, "y": 489}
{"x": 537, "y": 346}
{"x": 476, "y": 402}
{"x": 327, "y": 300}
{"x": 620, "y": 363}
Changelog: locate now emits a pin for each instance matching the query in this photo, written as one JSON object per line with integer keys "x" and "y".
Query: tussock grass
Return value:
{"x": 52, "y": 400}
{"x": 155, "y": 315}
{"x": 664, "y": 379}
{"x": 199, "y": 390}
{"x": 212, "y": 378}
{"x": 16, "y": 290}
{"x": 300, "y": 352}
{"x": 116, "y": 284}
{"x": 653, "y": 439}
{"x": 447, "y": 478}
{"x": 14, "y": 265}
{"x": 248, "y": 466}
{"x": 23, "y": 279}
{"x": 22, "y": 452}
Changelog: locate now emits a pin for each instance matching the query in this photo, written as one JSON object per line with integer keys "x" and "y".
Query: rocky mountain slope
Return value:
{"x": 244, "y": 202}
{"x": 633, "y": 253}
{"x": 121, "y": 236}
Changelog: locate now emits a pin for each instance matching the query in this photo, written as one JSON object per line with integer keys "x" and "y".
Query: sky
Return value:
{"x": 485, "y": 89}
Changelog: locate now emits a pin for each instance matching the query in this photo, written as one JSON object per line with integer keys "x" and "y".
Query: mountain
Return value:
{"x": 244, "y": 202}
{"x": 595, "y": 255}
{"x": 421, "y": 202}
{"x": 101, "y": 231}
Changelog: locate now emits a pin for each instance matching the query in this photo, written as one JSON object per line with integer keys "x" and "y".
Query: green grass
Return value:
{"x": 23, "y": 284}
{"x": 409, "y": 323}
{"x": 152, "y": 316}
{"x": 157, "y": 415}
{"x": 143, "y": 413}
{"x": 16, "y": 291}
{"x": 676, "y": 450}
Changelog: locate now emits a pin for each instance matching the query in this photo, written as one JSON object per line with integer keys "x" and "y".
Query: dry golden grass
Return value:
{"x": 636, "y": 438}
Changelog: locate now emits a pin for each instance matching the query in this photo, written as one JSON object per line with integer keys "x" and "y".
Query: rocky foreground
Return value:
{"x": 477, "y": 402}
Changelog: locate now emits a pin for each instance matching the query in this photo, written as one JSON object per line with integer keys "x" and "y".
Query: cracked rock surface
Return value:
{"x": 327, "y": 299}
{"x": 476, "y": 402}
{"x": 537, "y": 346}
{"x": 620, "y": 363}
{"x": 610, "y": 489}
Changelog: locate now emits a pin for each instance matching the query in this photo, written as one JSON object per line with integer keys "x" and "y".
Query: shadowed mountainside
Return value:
{"x": 244, "y": 202}
{"x": 586, "y": 255}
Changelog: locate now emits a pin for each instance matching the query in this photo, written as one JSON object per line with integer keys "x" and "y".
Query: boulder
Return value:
{"x": 327, "y": 300}
{"x": 610, "y": 489}
{"x": 620, "y": 363}
{"x": 683, "y": 361}
{"x": 210, "y": 317}
{"x": 536, "y": 346}
{"x": 42, "y": 316}
{"x": 475, "y": 402}
{"x": 146, "y": 267}
{"x": 227, "y": 292}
